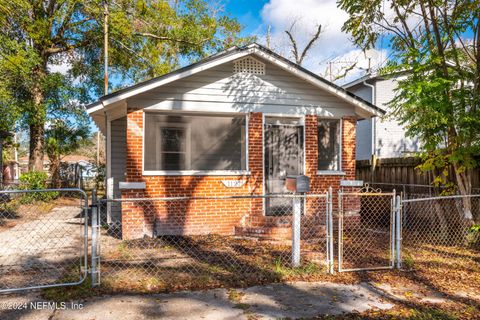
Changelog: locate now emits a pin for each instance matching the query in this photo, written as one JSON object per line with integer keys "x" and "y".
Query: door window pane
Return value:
{"x": 329, "y": 144}
{"x": 191, "y": 142}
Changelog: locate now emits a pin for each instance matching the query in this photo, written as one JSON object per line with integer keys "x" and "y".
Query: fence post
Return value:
{"x": 340, "y": 230}
{"x": 398, "y": 231}
{"x": 297, "y": 212}
{"x": 95, "y": 227}
{"x": 330, "y": 230}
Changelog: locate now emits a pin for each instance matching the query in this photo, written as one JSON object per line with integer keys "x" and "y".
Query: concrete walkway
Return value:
{"x": 295, "y": 300}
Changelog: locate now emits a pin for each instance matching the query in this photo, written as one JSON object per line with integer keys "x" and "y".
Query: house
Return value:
{"x": 379, "y": 136}
{"x": 236, "y": 123}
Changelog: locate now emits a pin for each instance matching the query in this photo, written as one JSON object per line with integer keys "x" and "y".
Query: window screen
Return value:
{"x": 329, "y": 144}
{"x": 191, "y": 142}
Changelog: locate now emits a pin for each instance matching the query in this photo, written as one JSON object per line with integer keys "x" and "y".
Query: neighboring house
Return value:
{"x": 69, "y": 160}
{"x": 236, "y": 123}
{"x": 384, "y": 138}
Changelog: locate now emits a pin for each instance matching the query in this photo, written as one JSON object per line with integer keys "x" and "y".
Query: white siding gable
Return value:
{"x": 220, "y": 89}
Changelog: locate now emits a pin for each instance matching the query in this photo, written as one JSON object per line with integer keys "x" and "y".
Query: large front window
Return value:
{"x": 175, "y": 142}
{"x": 329, "y": 141}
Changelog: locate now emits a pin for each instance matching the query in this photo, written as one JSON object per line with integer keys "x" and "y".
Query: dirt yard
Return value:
{"x": 189, "y": 263}
{"x": 173, "y": 263}
{"x": 44, "y": 243}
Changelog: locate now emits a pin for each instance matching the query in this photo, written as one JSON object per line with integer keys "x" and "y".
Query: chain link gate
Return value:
{"x": 366, "y": 229}
{"x": 44, "y": 238}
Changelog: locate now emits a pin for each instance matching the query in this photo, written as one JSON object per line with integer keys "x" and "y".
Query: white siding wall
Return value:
{"x": 118, "y": 161}
{"x": 391, "y": 141}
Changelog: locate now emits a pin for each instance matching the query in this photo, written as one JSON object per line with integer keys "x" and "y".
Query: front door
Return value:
{"x": 283, "y": 157}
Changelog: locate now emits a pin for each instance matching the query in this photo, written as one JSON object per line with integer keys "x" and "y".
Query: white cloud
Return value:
{"x": 333, "y": 44}
{"x": 62, "y": 67}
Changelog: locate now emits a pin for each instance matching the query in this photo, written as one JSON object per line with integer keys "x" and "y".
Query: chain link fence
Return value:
{"x": 439, "y": 230}
{"x": 43, "y": 237}
{"x": 168, "y": 243}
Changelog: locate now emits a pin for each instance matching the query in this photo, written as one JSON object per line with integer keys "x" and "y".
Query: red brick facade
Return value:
{"x": 217, "y": 216}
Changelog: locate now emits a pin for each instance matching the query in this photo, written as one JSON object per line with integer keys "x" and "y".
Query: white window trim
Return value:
{"x": 196, "y": 173}
{"x": 188, "y": 141}
{"x": 245, "y": 172}
{"x": 340, "y": 171}
{"x": 330, "y": 173}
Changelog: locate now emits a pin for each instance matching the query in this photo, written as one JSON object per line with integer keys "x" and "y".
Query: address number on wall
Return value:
{"x": 234, "y": 183}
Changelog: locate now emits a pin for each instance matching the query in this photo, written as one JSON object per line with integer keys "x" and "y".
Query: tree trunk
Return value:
{"x": 37, "y": 121}
{"x": 464, "y": 183}
{"x": 37, "y": 139}
{"x": 55, "y": 172}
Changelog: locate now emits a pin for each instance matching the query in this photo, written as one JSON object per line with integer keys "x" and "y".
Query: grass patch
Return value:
{"x": 69, "y": 293}
{"x": 242, "y": 306}
{"x": 235, "y": 296}
{"x": 408, "y": 262}
{"x": 306, "y": 269}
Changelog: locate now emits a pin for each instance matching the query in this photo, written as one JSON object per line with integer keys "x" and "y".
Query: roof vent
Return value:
{"x": 249, "y": 65}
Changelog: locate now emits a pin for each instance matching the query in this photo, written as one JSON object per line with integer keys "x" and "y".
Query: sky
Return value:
{"x": 334, "y": 48}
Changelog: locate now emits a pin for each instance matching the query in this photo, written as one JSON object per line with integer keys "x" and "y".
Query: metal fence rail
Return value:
{"x": 414, "y": 191}
{"x": 44, "y": 238}
{"x": 212, "y": 240}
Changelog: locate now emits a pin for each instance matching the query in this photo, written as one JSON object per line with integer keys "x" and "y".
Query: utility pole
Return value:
{"x": 105, "y": 43}
{"x": 330, "y": 70}
{"x": 269, "y": 38}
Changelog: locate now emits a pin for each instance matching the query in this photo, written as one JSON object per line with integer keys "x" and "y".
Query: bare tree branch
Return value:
{"x": 299, "y": 57}
{"x": 310, "y": 43}
{"x": 294, "y": 46}
{"x": 164, "y": 38}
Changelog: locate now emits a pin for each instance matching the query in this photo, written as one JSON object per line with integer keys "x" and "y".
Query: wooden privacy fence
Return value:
{"x": 400, "y": 171}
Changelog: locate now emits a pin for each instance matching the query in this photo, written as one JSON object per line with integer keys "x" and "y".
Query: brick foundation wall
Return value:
{"x": 217, "y": 216}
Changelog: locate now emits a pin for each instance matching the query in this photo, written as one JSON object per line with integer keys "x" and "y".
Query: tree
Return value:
{"x": 299, "y": 55}
{"x": 436, "y": 44}
{"x": 63, "y": 138}
{"x": 146, "y": 39}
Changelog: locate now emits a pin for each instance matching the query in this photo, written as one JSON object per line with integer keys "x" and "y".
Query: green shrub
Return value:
{"x": 35, "y": 180}
{"x": 408, "y": 262}
{"x": 474, "y": 236}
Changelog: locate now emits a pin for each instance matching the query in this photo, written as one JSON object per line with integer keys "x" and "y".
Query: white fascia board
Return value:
{"x": 97, "y": 107}
{"x": 339, "y": 93}
{"x": 166, "y": 80}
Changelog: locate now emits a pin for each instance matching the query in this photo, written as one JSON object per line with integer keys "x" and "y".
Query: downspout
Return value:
{"x": 374, "y": 119}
